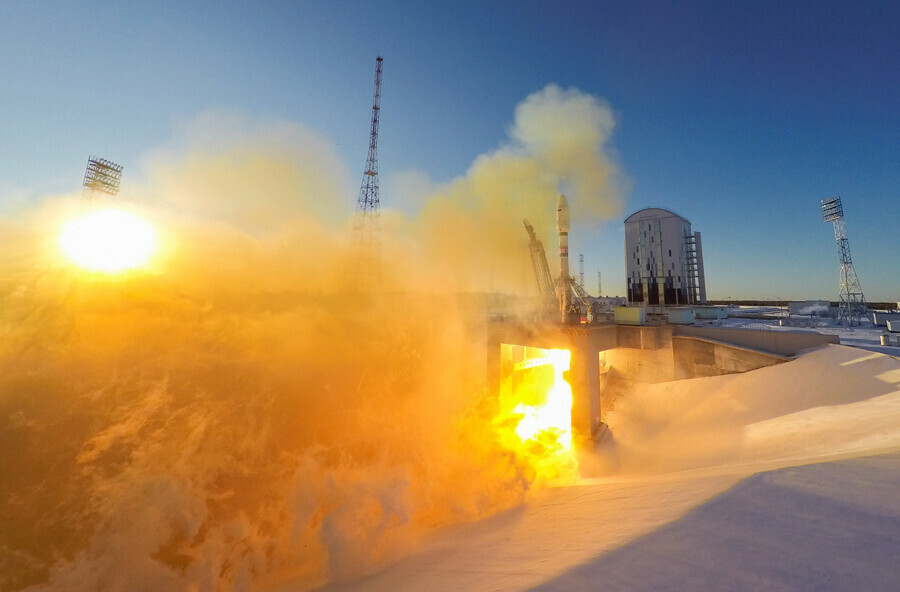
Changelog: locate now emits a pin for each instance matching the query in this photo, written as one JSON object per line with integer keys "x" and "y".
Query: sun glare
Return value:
{"x": 108, "y": 241}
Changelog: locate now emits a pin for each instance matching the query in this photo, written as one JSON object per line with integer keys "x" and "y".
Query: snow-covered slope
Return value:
{"x": 829, "y": 526}
{"x": 781, "y": 478}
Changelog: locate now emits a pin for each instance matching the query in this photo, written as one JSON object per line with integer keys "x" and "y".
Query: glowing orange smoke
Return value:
{"x": 108, "y": 241}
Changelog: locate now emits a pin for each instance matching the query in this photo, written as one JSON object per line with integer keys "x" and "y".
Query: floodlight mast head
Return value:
{"x": 832, "y": 209}
{"x": 102, "y": 175}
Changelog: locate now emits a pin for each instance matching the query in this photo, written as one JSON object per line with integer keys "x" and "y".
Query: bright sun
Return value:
{"x": 108, "y": 241}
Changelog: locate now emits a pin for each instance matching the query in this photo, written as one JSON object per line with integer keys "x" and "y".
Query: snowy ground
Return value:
{"x": 865, "y": 335}
{"x": 784, "y": 478}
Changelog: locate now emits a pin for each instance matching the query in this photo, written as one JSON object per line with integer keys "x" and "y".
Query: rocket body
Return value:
{"x": 562, "y": 226}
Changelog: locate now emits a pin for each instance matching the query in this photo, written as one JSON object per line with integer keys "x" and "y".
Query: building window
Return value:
{"x": 639, "y": 261}
{"x": 670, "y": 252}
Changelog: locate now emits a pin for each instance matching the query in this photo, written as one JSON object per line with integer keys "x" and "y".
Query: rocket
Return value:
{"x": 562, "y": 226}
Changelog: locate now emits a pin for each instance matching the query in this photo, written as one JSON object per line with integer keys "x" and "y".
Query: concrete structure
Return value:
{"x": 680, "y": 316}
{"x": 663, "y": 260}
{"x": 880, "y": 318}
{"x": 630, "y": 315}
{"x": 606, "y": 360}
{"x": 711, "y": 313}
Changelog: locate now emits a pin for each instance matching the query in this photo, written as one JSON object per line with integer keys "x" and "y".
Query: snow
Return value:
{"x": 784, "y": 478}
{"x": 833, "y": 526}
{"x": 864, "y": 336}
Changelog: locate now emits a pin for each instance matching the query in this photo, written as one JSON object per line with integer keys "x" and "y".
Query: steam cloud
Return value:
{"x": 470, "y": 230}
{"x": 232, "y": 418}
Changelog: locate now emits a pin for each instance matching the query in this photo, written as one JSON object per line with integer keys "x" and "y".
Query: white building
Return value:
{"x": 663, "y": 260}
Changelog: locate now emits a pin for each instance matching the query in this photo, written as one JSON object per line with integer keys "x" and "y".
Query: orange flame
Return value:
{"x": 535, "y": 417}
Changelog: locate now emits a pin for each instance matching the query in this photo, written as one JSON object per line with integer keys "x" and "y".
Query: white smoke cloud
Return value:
{"x": 469, "y": 231}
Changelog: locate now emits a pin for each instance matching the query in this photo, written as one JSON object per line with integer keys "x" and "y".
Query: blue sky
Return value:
{"x": 741, "y": 116}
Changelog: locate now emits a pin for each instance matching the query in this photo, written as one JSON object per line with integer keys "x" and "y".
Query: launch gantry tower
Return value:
{"x": 542, "y": 278}
{"x": 852, "y": 306}
{"x": 546, "y": 286}
{"x": 366, "y": 240}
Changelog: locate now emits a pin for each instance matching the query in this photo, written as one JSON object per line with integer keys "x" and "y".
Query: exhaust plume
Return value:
{"x": 470, "y": 230}
{"x": 228, "y": 417}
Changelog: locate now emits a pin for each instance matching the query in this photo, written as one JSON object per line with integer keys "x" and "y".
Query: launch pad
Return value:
{"x": 608, "y": 361}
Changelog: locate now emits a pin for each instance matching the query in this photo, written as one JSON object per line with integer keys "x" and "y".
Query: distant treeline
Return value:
{"x": 870, "y": 305}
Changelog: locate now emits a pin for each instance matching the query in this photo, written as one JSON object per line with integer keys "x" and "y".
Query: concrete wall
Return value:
{"x": 641, "y": 365}
{"x": 694, "y": 357}
{"x": 783, "y": 343}
{"x": 646, "y": 337}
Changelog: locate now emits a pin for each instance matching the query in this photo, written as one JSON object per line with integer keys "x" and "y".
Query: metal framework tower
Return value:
{"x": 546, "y": 286}
{"x": 542, "y": 278}
{"x": 366, "y": 242}
{"x": 581, "y": 269}
{"x": 101, "y": 176}
{"x": 691, "y": 269}
{"x": 853, "y": 304}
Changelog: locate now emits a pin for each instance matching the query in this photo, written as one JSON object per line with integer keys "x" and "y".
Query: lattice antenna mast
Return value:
{"x": 852, "y": 305}
{"x": 366, "y": 240}
{"x": 368, "y": 193}
{"x": 101, "y": 176}
{"x": 581, "y": 269}
{"x": 599, "y": 284}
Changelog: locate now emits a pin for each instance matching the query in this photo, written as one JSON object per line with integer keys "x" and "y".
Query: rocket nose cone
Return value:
{"x": 562, "y": 214}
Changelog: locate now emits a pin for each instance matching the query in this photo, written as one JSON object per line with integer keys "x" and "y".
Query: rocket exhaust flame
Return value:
{"x": 536, "y": 410}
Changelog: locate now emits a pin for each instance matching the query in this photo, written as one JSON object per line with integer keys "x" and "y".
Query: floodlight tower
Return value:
{"x": 366, "y": 227}
{"x": 101, "y": 176}
{"x": 853, "y": 304}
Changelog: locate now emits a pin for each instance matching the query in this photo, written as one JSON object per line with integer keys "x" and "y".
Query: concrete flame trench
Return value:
{"x": 608, "y": 361}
